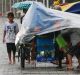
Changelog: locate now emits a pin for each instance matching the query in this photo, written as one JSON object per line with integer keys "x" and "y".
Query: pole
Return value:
{"x": 63, "y": 1}
{"x": 5, "y": 7}
{"x": 2, "y": 8}
{"x": 17, "y": 9}
{"x": 47, "y": 3}
{"x": 10, "y": 5}
{"x": 44, "y": 2}
{"x": 13, "y": 9}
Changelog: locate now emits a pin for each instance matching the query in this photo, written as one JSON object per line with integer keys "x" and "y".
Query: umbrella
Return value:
{"x": 22, "y": 5}
{"x": 72, "y": 7}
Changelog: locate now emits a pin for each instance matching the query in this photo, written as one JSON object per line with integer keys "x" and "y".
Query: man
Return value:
{"x": 75, "y": 48}
{"x": 24, "y": 12}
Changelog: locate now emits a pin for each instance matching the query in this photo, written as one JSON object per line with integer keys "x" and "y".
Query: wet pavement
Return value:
{"x": 40, "y": 69}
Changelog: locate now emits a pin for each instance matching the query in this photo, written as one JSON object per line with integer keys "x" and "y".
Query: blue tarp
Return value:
{"x": 43, "y": 44}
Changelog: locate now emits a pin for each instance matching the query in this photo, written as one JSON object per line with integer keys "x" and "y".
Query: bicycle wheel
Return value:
{"x": 22, "y": 58}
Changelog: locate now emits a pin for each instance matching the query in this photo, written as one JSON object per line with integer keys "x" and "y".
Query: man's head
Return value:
{"x": 24, "y": 11}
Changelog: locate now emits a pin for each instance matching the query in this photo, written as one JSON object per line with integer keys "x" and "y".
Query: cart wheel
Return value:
{"x": 22, "y": 58}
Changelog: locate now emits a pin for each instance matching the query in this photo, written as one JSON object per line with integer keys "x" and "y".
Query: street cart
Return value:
{"x": 39, "y": 21}
{"x": 40, "y": 49}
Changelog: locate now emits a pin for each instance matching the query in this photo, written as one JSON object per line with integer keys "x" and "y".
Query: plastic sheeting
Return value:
{"x": 41, "y": 20}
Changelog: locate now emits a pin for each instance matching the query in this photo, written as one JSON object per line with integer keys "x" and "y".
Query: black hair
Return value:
{"x": 25, "y": 10}
{"x": 10, "y": 14}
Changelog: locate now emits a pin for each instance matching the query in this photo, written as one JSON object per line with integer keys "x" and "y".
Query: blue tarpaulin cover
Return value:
{"x": 45, "y": 49}
{"x": 43, "y": 44}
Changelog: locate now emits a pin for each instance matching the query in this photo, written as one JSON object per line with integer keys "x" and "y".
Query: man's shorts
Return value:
{"x": 74, "y": 50}
{"x": 11, "y": 47}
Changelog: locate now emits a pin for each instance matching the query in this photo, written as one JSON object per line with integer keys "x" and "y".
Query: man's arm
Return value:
{"x": 17, "y": 29}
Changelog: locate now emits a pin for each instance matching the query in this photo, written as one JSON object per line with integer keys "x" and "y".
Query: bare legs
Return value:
{"x": 69, "y": 65}
{"x": 13, "y": 58}
{"x": 9, "y": 57}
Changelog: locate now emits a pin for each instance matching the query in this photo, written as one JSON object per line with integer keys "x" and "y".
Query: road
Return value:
{"x": 41, "y": 68}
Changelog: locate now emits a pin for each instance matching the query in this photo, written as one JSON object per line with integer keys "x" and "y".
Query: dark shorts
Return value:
{"x": 11, "y": 47}
{"x": 74, "y": 50}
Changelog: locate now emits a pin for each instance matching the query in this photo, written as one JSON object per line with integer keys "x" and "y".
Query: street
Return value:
{"x": 41, "y": 68}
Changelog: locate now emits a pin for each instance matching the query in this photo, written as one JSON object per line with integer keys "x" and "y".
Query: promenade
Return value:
{"x": 41, "y": 68}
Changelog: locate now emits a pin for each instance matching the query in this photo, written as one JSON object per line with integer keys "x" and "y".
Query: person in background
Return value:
{"x": 9, "y": 35}
{"x": 24, "y": 12}
{"x": 75, "y": 48}
{"x": 51, "y": 3}
{"x": 59, "y": 55}
{"x": 66, "y": 37}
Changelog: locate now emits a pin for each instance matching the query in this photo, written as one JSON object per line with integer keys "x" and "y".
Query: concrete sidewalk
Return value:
{"x": 41, "y": 68}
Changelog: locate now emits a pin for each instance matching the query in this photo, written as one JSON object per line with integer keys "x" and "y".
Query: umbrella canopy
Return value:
{"x": 22, "y": 5}
{"x": 72, "y": 7}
